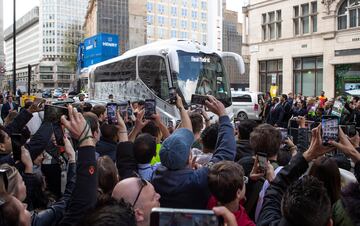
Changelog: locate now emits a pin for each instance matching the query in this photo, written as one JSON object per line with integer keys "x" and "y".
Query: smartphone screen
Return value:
{"x": 16, "y": 146}
{"x": 330, "y": 129}
{"x": 150, "y": 108}
{"x": 165, "y": 216}
{"x": 111, "y": 113}
{"x": 198, "y": 99}
{"x": 284, "y": 134}
{"x": 123, "y": 107}
{"x": 262, "y": 158}
{"x": 53, "y": 113}
{"x": 59, "y": 134}
{"x": 172, "y": 95}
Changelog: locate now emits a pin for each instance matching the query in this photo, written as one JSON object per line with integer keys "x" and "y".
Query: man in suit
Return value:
{"x": 276, "y": 113}
{"x": 287, "y": 108}
{"x": 9, "y": 106}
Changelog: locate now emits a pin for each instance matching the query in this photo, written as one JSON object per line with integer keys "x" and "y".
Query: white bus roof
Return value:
{"x": 156, "y": 48}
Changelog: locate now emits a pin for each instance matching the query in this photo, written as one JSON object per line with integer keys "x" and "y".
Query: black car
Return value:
{"x": 46, "y": 93}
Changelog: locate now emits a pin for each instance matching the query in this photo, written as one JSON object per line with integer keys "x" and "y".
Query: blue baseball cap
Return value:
{"x": 175, "y": 150}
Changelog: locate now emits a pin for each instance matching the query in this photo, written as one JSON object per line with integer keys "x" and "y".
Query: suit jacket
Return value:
{"x": 6, "y": 108}
{"x": 276, "y": 115}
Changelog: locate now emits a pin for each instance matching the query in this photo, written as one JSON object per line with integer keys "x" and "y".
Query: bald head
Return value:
{"x": 126, "y": 189}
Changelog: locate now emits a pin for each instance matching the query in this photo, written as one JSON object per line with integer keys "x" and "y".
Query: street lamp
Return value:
{"x": 14, "y": 49}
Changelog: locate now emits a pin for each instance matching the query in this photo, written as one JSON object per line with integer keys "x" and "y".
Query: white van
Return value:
{"x": 246, "y": 105}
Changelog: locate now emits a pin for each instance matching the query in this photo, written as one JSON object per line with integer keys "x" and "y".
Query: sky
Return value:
{"x": 23, "y": 6}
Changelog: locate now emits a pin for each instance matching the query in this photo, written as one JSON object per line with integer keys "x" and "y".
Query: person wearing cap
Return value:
{"x": 177, "y": 182}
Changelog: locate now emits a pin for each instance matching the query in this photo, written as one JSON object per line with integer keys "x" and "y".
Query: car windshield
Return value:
{"x": 204, "y": 74}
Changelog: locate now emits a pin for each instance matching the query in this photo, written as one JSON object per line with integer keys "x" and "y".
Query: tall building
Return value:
{"x": 137, "y": 23}
{"x": 110, "y": 16}
{"x": 27, "y": 49}
{"x": 304, "y": 46}
{"x": 2, "y": 56}
{"x": 232, "y": 42}
{"x": 197, "y": 20}
{"x": 54, "y": 30}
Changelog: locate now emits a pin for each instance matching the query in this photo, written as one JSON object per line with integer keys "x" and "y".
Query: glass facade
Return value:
{"x": 270, "y": 75}
{"x": 113, "y": 18}
{"x": 308, "y": 75}
{"x": 347, "y": 79}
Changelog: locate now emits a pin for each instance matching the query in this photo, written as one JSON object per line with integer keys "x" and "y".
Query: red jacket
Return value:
{"x": 241, "y": 216}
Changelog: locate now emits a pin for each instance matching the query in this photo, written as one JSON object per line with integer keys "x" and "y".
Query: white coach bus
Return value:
{"x": 147, "y": 72}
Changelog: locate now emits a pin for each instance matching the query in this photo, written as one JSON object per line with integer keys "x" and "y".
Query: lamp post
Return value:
{"x": 14, "y": 50}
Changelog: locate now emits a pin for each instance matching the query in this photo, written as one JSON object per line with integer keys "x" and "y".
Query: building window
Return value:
{"x": 184, "y": 24}
{"x": 161, "y": 9}
{"x": 203, "y": 16}
{"x": 173, "y": 23}
{"x": 173, "y": 11}
{"x": 203, "y": 27}
{"x": 203, "y": 5}
{"x": 173, "y": 34}
{"x": 150, "y": 19}
{"x": 161, "y": 20}
{"x": 184, "y": 12}
{"x": 308, "y": 75}
{"x": 149, "y": 7}
{"x": 305, "y": 18}
{"x": 270, "y": 75}
{"x": 194, "y": 3}
{"x": 271, "y": 25}
{"x": 194, "y": 15}
{"x": 194, "y": 25}
{"x": 349, "y": 14}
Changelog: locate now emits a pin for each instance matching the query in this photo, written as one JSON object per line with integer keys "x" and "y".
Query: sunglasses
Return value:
{"x": 142, "y": 184}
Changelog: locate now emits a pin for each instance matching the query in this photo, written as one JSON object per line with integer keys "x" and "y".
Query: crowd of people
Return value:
{"x": 278, "y": 111}
{"x": 116, "y": 173}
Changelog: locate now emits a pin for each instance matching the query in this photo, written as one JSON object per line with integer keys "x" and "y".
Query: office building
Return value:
{"x": 110, "y": 16}
{"x": 2, "y": 56}
{"x": 27, "y": 49}
{"x": 304, "y": 46}
{"x": 47, "y": 39}
{"x": 232, "y": 42}
{"x": 197, "y": 20}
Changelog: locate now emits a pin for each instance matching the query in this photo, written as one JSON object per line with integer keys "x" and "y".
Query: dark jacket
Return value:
{"x": 287, "y": 114}
{"x": 53, "y": 214}
{"x": 85, "y": 192}
{"x": 271, "y": 211}
{"x": 40, "y": 140}
{"x": 106, "y": 147}
{"x": 276, "y": 115}
{"x": 243, "y": 149}
{"x": 16, "y": 126}
{"x": 125, "y": 160}
{"x": 188, "y": 188}
{"x": 6, "y": 108}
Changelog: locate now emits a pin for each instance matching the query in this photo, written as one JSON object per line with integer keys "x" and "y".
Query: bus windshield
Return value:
{"x": 203, "y": 74}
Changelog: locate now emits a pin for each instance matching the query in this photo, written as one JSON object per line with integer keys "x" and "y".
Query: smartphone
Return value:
{"x": 39, "y": 102}
{"x": 262, "y": 159}
{"x": 53, "y": 113}
{"x": 172, "y": 95}
{"x": 198, "y": 99}
{"x": 330, "y": 129}
{"x": 16, "y": 145}
{"x": 111, "y": 113}
{"x": 349, "y": 130}
{"x": 168, "y": 216}
{"x": 59, "y": 134}
{"x": 284, "y": 134}
{"x": 150, "y": 108}
{"x": 123, "y": 107}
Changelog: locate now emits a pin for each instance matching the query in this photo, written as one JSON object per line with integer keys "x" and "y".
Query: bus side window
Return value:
{"x": 152, "y": 71}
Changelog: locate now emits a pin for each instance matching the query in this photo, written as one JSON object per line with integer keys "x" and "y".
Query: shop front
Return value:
{"x": 347, "y": 79}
